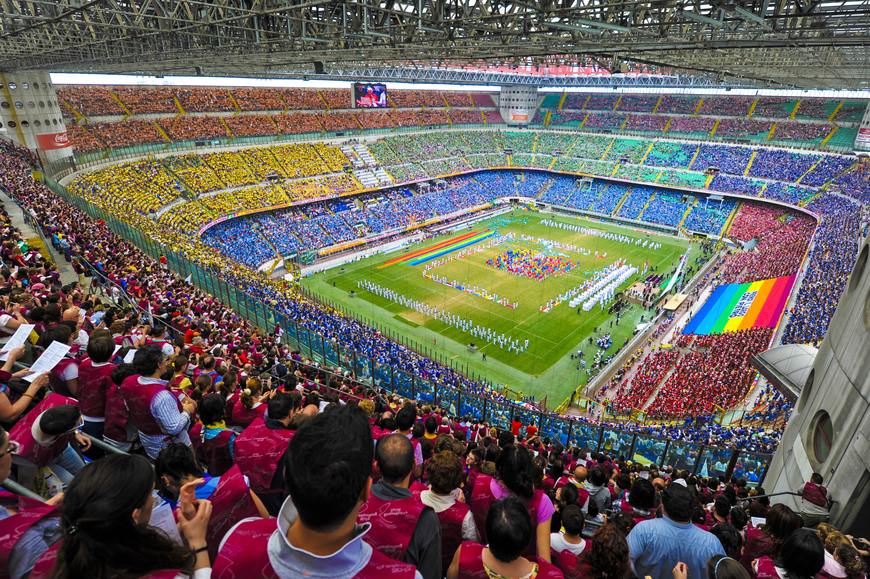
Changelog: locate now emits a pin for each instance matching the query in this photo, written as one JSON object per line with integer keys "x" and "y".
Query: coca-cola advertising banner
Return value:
{"x": 49, "y": 141}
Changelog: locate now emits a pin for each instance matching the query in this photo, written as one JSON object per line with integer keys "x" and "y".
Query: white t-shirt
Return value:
{"x": 559, "y": 544}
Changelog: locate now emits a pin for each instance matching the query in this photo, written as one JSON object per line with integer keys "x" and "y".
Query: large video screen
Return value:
{"x": 370, "y": 95}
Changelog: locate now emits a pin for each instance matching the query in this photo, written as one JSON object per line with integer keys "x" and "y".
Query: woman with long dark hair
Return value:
{"x": 105, "y": 516}
{"x": 515, "y": 477}
{"x": 509, "y": 530}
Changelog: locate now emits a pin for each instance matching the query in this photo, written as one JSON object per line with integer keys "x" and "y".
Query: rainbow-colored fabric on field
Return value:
{"x": 439, "y": 249}
{"x": 742, "y": 306}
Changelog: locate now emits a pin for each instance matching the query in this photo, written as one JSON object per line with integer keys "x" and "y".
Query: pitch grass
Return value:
{"x": 546, "y": 368}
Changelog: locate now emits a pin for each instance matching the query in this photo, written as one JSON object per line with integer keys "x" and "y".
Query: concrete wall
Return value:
{"x": 30, "y": 114}
{"x": 839, "y": 387}
{"x": 517, "y": 104}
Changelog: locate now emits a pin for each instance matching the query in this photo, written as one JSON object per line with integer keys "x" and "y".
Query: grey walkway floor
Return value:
{"x": 67, "y": 274}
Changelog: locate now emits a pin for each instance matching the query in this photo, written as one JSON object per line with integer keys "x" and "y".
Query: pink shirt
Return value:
{"x": 545, "y": 506}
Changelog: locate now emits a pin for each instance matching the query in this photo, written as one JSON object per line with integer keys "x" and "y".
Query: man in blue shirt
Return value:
{"x": 656, "y": 546}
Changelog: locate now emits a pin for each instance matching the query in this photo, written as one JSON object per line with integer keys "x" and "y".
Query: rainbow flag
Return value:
{"x": 741, "y": 306}
{"x": 439, "y": 249}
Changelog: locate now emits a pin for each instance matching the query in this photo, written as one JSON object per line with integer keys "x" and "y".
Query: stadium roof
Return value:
{"x": 801, "y": 43}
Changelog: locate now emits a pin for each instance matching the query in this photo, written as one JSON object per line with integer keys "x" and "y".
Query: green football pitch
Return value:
{"x": 545, "y": 368}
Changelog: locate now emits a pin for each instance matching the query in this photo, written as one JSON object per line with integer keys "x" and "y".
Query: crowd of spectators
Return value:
{"x": 205, "y": 100}
{"x": 604, "y": 121}
{"x": 302, "y": 312}
{"x": 260, "y": 99}
{"x": 774, "y": 107}
{"x": 251, "y": 125}
{"x": 781, "y": 164}
{"x": 89, "y": 100}
{"x": 743, "y": 128}
{"x": 635, "y": 202}
{"x": 691, "y": 125}
{"x": 670, "y": 154}
{"x": 638, "y": 103}
{"x": 191, "y": 128}
{"x": 297, "y": 123}
{"x": 648, "y": 123}
{"x": 794, "y": 131}
{"x": 854, "y": 182}
{"x": 831, "y": 259}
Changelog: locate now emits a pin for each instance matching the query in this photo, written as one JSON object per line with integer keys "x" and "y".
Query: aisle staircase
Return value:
{"x": 831, "y": 134}
{"x": 118, "y": 100}
{"x": 749, "y": 164}
{"x": 686, "y": 213}
{"x": 808, "y": 171}
{"x": 836, "y": 111}
{"x": 621, "y": 201}
{"x": 646, "y": 205}
{"x": 365, "y": 167}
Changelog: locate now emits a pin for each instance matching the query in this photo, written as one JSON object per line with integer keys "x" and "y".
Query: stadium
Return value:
{"x": 487, "y": 289}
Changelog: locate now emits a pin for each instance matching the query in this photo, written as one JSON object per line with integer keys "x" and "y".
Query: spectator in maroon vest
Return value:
{"x": 328, "y": 473}
{"x": 509, "y": 529}
{"x": 211, "y": 439}
{"x": 159, "y": 416}
{"x": 765, "y": 540}
{"x": 516, "y": 477}
{"x": 231, "y": 497}
{"x": 105, "y": 522}
{"x": 260, "y": 448}
{"x": 800, "y": 555}
{"x": 64, "y": 377}
{"x": 50, "y": 441}
{"x": 405, "y": 420}
{"x": 446, "y": 476}
{"x": 410, "y": 530}
{"x": 95, "y": 377}
{"x": 815, "y": 501}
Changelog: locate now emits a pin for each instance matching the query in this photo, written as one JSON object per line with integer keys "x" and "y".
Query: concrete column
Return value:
{"x": 31, "y": 115}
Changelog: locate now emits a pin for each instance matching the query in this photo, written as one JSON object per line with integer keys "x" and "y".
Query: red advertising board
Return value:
{"x": 49, "y": 141}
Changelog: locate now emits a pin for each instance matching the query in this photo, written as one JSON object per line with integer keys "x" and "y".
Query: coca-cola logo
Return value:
{"x": 60, "y": 139}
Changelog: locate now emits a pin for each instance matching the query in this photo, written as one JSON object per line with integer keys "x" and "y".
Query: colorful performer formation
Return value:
{"x": 525, "y": 263}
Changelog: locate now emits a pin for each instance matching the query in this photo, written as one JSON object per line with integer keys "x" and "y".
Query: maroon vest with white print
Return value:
{"x": 94, "y": 382}
{"x": 816, "y": 494}
{"x": 138, "y": 397}
{"x": 451, "y": 531}
{"x": 57, "y": 383}
{"x": 22, "y": 432}
{"x": 212, "y": 453}
{"x": 231, "y": 502}
{"x": 117, "y": 415}
{"x": 258, "y": 450}
{"x": 393, "y": 523}
{"x": 12, "y": 528}
{"x": 245, "y": 553}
